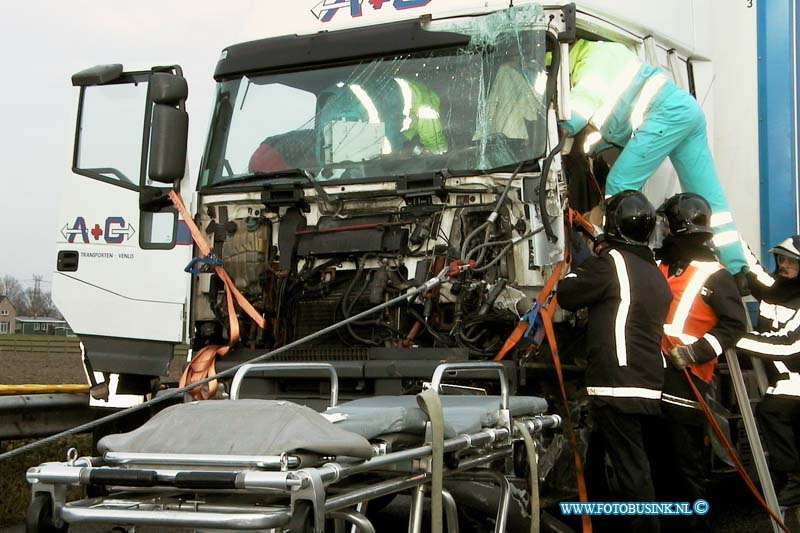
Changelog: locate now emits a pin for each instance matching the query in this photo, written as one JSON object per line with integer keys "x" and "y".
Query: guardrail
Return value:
{"x": 42, "y": 415}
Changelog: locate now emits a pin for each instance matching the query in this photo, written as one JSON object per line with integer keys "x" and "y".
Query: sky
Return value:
{"x": 44, "y": 43}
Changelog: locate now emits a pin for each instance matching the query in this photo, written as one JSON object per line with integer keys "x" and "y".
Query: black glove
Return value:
{"x": 578, "y": 249}
{"x": 741, "y": 283}
{"x": 681, "y": 356}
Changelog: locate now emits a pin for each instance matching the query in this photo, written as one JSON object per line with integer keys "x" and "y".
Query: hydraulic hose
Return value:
{"x": 548, "y": 226}
{"x": 493, "y": 216}
{"x": 506, "y": 249}
{"x": 174, "y": 393}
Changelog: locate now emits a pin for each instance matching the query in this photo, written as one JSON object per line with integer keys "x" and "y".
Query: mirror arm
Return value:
{"x": 153, "y": 199}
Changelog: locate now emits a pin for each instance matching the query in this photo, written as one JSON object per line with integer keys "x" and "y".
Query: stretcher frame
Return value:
{"x": 271, "y": 492}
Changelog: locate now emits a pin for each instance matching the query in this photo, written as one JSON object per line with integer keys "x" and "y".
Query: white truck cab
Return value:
{"x": 347, "y": 160}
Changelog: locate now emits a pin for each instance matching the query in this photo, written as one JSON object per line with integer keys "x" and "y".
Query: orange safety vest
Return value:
{"x": 689, "y": 317}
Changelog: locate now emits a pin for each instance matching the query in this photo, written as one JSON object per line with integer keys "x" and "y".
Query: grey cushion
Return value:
{"x": 379, "y": 415}
{"x": 241, "y": 427}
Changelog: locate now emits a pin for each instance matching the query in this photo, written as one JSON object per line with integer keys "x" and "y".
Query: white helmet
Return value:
{"x": 789, "y": 248}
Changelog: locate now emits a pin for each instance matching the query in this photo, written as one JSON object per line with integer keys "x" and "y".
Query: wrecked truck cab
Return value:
{"x": 327, "y": 188}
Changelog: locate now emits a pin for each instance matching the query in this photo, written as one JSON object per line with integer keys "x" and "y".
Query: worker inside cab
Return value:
{"x": 637, "y": 107}
{"x": 361, "y": 121}
{"x": 777, "y": 339}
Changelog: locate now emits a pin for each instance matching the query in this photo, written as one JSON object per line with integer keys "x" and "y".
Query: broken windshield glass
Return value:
{"x": 466, "y": 108}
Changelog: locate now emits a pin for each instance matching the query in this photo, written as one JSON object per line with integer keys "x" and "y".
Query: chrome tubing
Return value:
{"x": 266, "y": 462}
{"x": 438, "y": 374}
{"x": 377, "y": 490}
{"x": 450, "y": 511}
{"x": 417, "y": 504}
{"x": 188, "y": 519}
{"x": 236, "y": 385}
{"x": 501, "y": 481}
{"x": 334, "y": 472}
{"x": 360, "y": 521}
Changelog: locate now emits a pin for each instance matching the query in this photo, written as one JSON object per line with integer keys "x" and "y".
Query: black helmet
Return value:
{"x": 687, "y": 213}
{"x": 789, "y": 248}
{"x": 630, "y": 218}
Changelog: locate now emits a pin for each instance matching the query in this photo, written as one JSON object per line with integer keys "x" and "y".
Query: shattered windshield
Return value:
{"x": 467, "y": 108}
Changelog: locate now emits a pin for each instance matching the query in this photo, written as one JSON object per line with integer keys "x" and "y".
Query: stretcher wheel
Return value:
{"x": 40, "y": 515}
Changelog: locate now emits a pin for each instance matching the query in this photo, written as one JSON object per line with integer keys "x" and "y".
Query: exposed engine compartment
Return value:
{"x": 306, "y": 267}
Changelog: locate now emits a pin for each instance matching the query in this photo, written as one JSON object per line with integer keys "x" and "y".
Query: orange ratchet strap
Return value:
{"x": 203, "y": 362}
{"x": 546, "y": 312}
{"x": 519, "y": 331}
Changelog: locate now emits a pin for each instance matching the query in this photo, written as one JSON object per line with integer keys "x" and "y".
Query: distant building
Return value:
{"x": 8, "y": 315}
{"x": 42, "y": 325}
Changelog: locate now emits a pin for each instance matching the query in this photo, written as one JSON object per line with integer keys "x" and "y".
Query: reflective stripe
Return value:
{"x": 699, "y": 278}
{"x": 590, "y": 141}
{"x": 372, "y": 112}
{"x": 720, "y": 219}
{"x": 789, "y": 326}
{"x": 677, "y": 400}
{"x": 755, "y": 267}
{"x": 427, "y": 112}
{"x": 765, "y": 347}
{"x": 540, "y": 84}
{"x": 571, "y": 275}
{"x": 645, "y": 98}
{"x": 781, "y": 367}
{"x": 715, "y": 345}
{"x": 405, "y": 90}
{"x": 787, "y": 387}
{"x": 624, "y": 392}
{"x": 624, "y": 306}
{"x": 725, "y": 238}
{"x": 611, "y": 93}
{"x": 671, "y": 331}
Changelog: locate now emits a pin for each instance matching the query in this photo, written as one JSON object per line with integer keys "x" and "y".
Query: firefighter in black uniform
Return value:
{"x": 706, "y": 317}
{"x": 778, "y": 337}
{"x": 627, "y": 298}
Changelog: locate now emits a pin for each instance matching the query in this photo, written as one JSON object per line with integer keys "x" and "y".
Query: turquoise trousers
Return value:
{"x": 675, "y": 127}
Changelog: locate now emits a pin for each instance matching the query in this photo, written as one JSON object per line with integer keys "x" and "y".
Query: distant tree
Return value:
{"x": 11, "y": 288}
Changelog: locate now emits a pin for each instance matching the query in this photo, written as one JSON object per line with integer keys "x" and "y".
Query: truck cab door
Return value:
{"x": 119, "y": 278}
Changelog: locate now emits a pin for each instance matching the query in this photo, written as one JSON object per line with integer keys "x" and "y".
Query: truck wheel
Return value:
{"x": 40, "y": 515}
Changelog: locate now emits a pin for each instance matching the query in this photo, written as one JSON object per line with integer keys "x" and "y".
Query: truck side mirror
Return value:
{"x": 170, "y": 127}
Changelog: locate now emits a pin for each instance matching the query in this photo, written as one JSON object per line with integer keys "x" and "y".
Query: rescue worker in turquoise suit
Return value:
{"x": 636, "y": 106}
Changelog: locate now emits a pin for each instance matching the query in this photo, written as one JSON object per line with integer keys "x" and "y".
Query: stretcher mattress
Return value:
{"x": 271, "y": 427}
{"x": 241, "y": 427}
{"x": 379, "y": 415}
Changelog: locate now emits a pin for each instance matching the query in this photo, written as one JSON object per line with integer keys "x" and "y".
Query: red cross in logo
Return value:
{"x": 96, "y": 232}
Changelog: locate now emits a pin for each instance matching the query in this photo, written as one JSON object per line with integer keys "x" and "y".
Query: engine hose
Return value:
{"x": 430, "y": 402}
{"x": 171, "y": 394}
{"x": 504, "y": 242}
{"x": 471, "y": 236}
{"x": 436, "y": 335}
{"x": 533, "y": 467}
{"x": 507, "y": 248}
{"x": 548, "y": 226}
{"x": 493, "y": 216}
